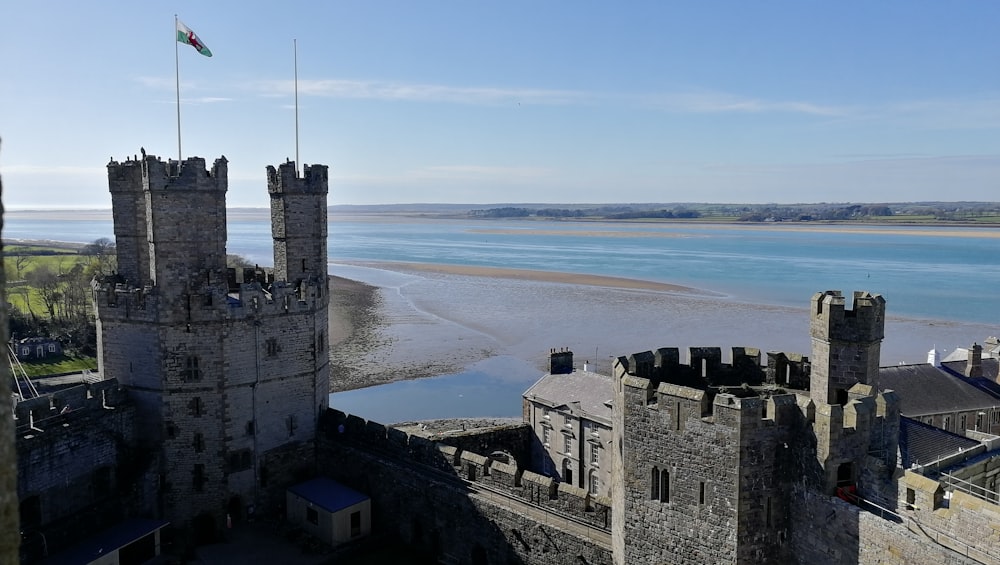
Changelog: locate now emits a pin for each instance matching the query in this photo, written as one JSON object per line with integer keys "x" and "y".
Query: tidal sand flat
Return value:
{"x": 427, "y": 320}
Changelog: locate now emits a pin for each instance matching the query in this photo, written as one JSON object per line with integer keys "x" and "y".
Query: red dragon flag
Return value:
{"x": 185, "y": 35}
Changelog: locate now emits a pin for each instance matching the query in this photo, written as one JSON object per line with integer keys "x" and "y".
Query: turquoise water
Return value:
{"x": 926, "y": 275}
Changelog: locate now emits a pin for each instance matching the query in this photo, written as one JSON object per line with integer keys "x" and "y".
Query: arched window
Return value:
{"x": 654, "y": 484}
{"x": 665, "y": 486}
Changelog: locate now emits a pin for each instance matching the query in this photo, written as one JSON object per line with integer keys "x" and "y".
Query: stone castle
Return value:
{"x": 228, "y": 370}
{"x": 214, "y": 401}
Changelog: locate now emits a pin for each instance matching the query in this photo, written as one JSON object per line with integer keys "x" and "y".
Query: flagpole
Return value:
{"x": 295, "y": 51}
{"x": 177, "y": 78}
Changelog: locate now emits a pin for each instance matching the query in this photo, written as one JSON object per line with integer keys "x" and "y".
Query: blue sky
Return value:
{"x": 514, "y": 101}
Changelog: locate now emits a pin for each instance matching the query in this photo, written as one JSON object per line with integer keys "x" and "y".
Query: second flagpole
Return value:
{"x": 295, "y": 52}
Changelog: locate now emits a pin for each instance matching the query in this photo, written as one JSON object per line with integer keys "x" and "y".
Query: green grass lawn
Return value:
{"x": 61, "y": 260}
{"x": 59, "y": 365}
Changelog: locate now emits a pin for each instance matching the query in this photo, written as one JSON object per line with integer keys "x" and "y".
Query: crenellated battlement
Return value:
{"x": 657, "y": 381}
{"x": 428, "y": 459}
{"x": 250, "y": 300}
{"x": 51, "y": 411}
{"x": 286, "y": 180}
{"x": 705, "y": 367}
{"x": 862, "y": 322}
{"x": 152, "y": 173}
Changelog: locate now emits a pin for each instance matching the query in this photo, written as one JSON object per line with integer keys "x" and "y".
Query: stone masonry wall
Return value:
{"x": 696, "y": 521}
{"x": 967, "y": 524}
{"x": 829, "y": 530}
{"x": 420, "y": 493}
{"x": 77, "y": 467}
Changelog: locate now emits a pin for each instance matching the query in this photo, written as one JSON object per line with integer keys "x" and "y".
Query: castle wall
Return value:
{"x": 829, "y": 530}
{"x": 967, "y": 524}
{"x": 77, "y": 467}
{"x": 422, "y": 491}
{"x": 697, "y": 484}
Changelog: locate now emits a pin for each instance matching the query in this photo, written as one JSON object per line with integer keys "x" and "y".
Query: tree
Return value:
{"x": 238, "y": 262}
{"x": 21, "y": 260}
{"x": 49, "y": 287}
{"x": 76, "y": 298}
{"x": 104, "y": 255}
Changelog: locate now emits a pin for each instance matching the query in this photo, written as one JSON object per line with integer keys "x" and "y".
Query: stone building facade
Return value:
{"x": 228, "y": 370}
{"x": 569, "y": 411}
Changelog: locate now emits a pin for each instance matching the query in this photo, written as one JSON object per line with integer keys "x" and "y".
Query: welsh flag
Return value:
{"x": 185, "y": 35}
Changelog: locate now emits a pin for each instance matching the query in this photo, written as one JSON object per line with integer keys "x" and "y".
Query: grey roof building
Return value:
{"x": 939, "y": 398}
{"x": 570, "y": 413}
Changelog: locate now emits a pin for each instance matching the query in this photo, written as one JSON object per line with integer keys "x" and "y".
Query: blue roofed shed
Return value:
{"x": 128, "y": 543}
{"x": 330, "y": 511}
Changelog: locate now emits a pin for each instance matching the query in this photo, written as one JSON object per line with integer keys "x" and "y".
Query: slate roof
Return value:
{"x": 583, "y": 391}
{"x": 989, "y": 366}
{"x": 921, "y": 443}
{"x": 924, "y": 389}
{"x": 328, "y": 494}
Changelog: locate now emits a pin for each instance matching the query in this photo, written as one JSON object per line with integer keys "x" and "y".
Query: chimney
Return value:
{"x": 560, "y": 361}
{"x": 974, "y": 366}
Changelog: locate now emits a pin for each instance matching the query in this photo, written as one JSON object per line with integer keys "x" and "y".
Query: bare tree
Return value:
{"x": 238, "y": 261}
{"x": 49, "y": 287}
{"x": 103, "y": 254}
{"x": 75, "y": 296}
{"x": 21, "y": 260}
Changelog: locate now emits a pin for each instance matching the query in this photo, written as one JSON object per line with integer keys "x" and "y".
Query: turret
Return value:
{"x": 298, "y": 221}
{"x": 170, "y": 220}
{"x": 846, "y": 344}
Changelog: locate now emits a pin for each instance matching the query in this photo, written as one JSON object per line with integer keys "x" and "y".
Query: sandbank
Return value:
{"x": 535, "y": 276}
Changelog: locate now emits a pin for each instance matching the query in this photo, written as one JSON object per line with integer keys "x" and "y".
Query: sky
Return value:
{"x": 512, "y": 102}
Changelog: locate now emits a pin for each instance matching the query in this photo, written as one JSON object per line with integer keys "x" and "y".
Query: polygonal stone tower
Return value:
{"x": 846, "y": 344}
{"x": 229, "y": 370}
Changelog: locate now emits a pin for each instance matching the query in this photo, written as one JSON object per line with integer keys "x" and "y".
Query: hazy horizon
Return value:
{"x": 427, "y": 206}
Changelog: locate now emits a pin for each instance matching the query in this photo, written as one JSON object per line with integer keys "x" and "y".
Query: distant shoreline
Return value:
{"x": 335, "y": 212}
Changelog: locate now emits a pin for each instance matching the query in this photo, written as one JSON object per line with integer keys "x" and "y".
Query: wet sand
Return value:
{"x": 538, "y": 276}
{"x": 423, "y": 320}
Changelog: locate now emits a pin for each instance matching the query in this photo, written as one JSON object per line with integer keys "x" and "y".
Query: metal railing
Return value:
{"x": 954, "y": 483}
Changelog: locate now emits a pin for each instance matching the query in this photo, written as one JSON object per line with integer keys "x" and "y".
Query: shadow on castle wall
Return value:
{"x": 460, "y": 505}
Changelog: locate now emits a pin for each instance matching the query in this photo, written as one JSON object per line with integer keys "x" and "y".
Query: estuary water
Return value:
{"x": 489, "y": 338}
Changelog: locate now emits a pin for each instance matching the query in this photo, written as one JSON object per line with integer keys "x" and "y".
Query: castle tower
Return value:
{"x": 846, "y": 344}
{"x": 228, "y": 380}
{"x": 298, "y": 221}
